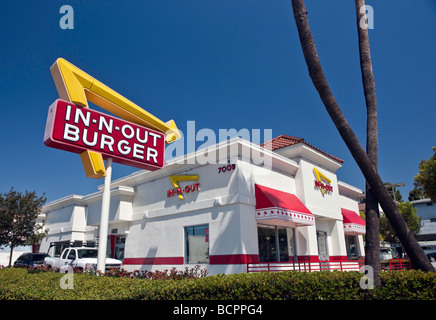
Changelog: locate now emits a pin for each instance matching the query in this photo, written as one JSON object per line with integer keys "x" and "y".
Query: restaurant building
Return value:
{"x": 224, "y": 207}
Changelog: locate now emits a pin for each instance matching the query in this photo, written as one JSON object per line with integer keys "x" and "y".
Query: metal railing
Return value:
{"x": 305, "y": 266}
{"x": 400, "y": 264}
{"x": 310, "y": 266}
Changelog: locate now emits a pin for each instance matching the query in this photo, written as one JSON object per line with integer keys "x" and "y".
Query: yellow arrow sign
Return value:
{"x": 320, "y": 176}
{"x": 174, "y": 179}
{"x": 79, "y": 87}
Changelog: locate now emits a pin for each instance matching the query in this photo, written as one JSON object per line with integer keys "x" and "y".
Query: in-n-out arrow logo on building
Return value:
{"x": 178, "y": 190}
{"x": 322, "y": 182}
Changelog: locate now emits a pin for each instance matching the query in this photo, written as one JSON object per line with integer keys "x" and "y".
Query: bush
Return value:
{"x": 173, "y": 274}
{"x": 406, "y": 285}
{"x": 265, "y": 286}
{"x": 289, "y": 285}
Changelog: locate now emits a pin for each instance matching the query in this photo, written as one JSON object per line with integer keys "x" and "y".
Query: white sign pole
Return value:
{"x": 104, "y": 219}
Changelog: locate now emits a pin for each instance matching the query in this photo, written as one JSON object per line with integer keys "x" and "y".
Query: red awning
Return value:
{"x": 272, "y": 204}
{"x": 353, "y": 223}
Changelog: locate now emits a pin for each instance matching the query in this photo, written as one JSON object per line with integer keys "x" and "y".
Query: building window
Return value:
{"x": 115, "y": 248}
{"x": 352, "y": 251}
{"x": 275, "y": 243}
{"x": 197, "y": 244}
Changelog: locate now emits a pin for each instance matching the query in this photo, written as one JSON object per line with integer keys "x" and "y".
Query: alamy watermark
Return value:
{"x": 67, "y": 20}
{"x": 367, "y": 280}
{"x": 204, "y": 146}
{"x": 67, "y": 281}
{"x": 367, "y": 20}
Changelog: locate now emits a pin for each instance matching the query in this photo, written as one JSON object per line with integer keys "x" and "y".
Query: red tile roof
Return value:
{"x": 284, "y": 141}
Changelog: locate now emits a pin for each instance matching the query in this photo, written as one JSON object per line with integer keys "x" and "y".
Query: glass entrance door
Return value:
{"x": 267, "y": 244}
{"x": 323, "y": 253}
{"x": 119, "y": 247}
{"x": 275, "y": 243}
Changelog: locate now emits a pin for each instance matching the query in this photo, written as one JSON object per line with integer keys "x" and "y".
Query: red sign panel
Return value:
{"x": 76, "y": 129}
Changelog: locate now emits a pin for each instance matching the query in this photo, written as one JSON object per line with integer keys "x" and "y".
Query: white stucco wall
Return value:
{"x": 154, "y": 223}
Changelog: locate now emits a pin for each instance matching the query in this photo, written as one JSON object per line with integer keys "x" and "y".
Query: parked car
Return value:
{"x": 385, "y": 254}
{"x": 432, "y": 256}
{"x": 30, "y": 260}
{"x": 83, "y": 258}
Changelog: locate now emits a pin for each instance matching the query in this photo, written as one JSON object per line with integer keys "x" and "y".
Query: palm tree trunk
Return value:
{"x": 372, "y": 238}
{"x": 415, "y": 252}
{"x": 10, "y": 256}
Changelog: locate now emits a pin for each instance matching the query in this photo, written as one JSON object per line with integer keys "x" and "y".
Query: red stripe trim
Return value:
{"x": 338, "y": 258}
{"x": 234, "y": 259}
{"x": 218, "y": 259}
{"x": 155, "y": 260}
{"x": 214, "y": 259}
{"x": 308, "y": 258}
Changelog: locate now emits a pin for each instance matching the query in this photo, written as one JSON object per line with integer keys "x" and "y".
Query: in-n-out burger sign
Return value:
{"x": 324, "y": 187}
{"x": 178, "y": 190}
{"x": 79, "y": 88}
{"x": 76, "y": 129}
{"x": 96, "y": 135}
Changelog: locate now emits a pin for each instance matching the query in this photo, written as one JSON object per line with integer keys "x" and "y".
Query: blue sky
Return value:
{"x": 223, "y": 64}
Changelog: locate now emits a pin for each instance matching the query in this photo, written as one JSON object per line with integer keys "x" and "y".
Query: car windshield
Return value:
{"x": 87, "y": 253}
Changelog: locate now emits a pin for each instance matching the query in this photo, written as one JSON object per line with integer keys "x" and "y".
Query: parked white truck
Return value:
{"x": 83, "y": 258}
